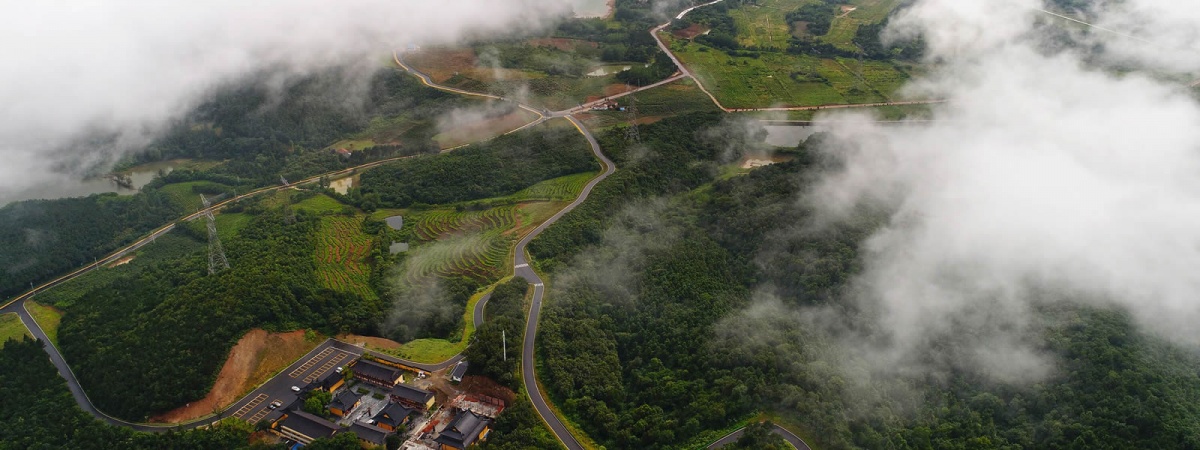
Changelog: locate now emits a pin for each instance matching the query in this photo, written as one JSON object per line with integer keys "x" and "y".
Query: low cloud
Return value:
{"x": 121, "y": 69}
{"x": 1045, "y": 179}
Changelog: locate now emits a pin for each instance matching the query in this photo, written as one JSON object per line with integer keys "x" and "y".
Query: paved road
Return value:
{"x": 781, "y": 431}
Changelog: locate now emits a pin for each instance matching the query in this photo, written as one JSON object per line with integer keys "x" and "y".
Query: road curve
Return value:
{"x": 781, "y": 431}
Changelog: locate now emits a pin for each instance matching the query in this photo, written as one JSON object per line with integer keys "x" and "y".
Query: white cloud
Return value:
{"x": 130, "y": 65}
{"x": 1042, "y": 175}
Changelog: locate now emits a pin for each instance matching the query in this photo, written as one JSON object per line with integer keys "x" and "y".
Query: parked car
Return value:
{"x": 295, "y": 388}
{"x": 339, "y": 369}
{"x": 276, "y": 404}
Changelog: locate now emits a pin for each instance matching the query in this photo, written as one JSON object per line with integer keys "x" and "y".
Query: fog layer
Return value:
{"x": 122, "y": 68}
{"x": 1043, "y": 178}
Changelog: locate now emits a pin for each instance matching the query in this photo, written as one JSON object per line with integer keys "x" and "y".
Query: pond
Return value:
{"x": 396, "y": 222}
{"x": 342, "y": 185}
{"x": 592, "y": 8}
{"x": 136, "y": 178}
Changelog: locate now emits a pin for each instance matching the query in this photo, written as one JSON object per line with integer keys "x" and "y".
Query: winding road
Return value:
{"x": 781, "y": 431}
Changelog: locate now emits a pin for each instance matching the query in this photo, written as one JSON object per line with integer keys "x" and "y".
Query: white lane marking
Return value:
{"x": 522, "y": 265}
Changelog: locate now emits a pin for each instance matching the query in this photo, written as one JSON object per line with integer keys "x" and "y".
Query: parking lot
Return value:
{"x": 326, "y": 357}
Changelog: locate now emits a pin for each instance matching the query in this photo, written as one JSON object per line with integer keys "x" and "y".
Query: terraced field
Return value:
{"x": 341, "y": 254}
{"x": 473, "y": 244}
{"x": 561, "y": 188}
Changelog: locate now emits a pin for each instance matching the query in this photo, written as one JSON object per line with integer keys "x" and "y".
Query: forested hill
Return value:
{"x": 658, "y": 333}
{"x": 259, "y": 133}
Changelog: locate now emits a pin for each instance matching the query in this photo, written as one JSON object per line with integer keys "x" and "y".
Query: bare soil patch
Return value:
{"x": 255, "y": 358}
{"x": 483, "y": 129}
{"x": 371, "y": 341}
{"x": 690, "y": 32}
{"x": 614, "y": 89}
{"x": 122, "y": 261}
{"x": 441, "y": 64}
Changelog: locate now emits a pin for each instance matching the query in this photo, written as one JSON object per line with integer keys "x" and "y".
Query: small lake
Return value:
{"x": 788, "y": 136}
{"x": 591, "y": 8}
{"x": 138, "y": 176}
{"x": 395, "y": 222}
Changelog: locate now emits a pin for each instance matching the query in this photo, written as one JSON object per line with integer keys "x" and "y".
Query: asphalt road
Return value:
{"x": 783, "y": 432}
{"x": 254, "y": 406}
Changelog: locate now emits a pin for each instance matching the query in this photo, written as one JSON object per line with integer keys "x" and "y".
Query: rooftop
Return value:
{"x": 369, "y": 433}
{"x": 345, "y": 400}
{"x": 393, "y": 415}
{"x": 309, "y": 425}
{"x": 463, "y": 430}
{"x": 412, "y": 394}
{"x": 459, "y": 371}
{"x": 374, "y": 370}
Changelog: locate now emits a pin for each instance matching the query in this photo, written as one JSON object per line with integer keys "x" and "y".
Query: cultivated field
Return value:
{"x": 763, "y": 25}
{"x": 341, "y": 256}
{"x": 845, "y": 25}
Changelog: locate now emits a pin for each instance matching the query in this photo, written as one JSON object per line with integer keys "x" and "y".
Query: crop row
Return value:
{"x": 341, "y": 255}
{"x": 436, "y": 224}
{"x": 478, "y": 256}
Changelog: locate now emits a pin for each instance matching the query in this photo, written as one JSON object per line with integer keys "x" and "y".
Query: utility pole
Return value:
{"x": 504, "y": 343}
{"x": 216, "y": 253}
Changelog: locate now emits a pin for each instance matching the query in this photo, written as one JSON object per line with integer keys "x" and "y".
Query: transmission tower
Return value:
{"x": 216, "y": 253}
{"x": 631, "y": 133}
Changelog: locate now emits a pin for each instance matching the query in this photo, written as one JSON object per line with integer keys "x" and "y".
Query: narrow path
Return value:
{"x": 781, "y": 431}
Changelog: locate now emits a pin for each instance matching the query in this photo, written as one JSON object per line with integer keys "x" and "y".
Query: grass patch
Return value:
{"x": 763, "y": 25}
{"x": 431, "y": 351}
{"x": 185, "y": 195}
{"x": 11, "y": 328}
{"x": 320, "y": 203}
{"x": 167, "y": 247}
{"x": 842, "y": 31}
{"x": 561, "y": 188}
{"x": 228, "y": 224}
{"x": 47, "y": 317}
{"x": 776, "y": 78}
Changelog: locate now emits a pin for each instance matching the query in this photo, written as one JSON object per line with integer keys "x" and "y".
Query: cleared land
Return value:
{"x": 11, "y": 328}
{"x": 484, "y": 129}
{"x": 777, "y": 78}
{"x": 257, "y": 357}
{"x": 464, "y": 68}
{"x": 47, "y": 317}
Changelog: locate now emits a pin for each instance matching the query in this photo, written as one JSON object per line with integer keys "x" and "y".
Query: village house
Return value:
{"x": 413, "y": 397}
{"x": 343, "y": 403}
{"x": 465, "y": 430}
{"x": 369, "y": 434}
{"x": 304, "y": 428}
{"x": 378, "y": 374}
{"x": 393, "y": 416}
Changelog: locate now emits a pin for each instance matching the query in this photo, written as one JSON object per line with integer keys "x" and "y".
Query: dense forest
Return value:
{"x": 505, "y": 314}
{"x": 271, "y": 284}
{"x": 39, "y": 413}
{"x": 494, "y": 168}
{"x": 259, "y": 131}
{"x": 646, "y": 336}
{"x": 43, "y": 238}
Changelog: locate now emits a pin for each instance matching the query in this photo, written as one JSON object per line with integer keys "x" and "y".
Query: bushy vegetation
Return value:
{"x": 271, "y": 284}
{"x": 44, "y": 238}
{"x": 642, "y": 364}
{"x": 495, "y": 168}
{"x": 505, "y": 315}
